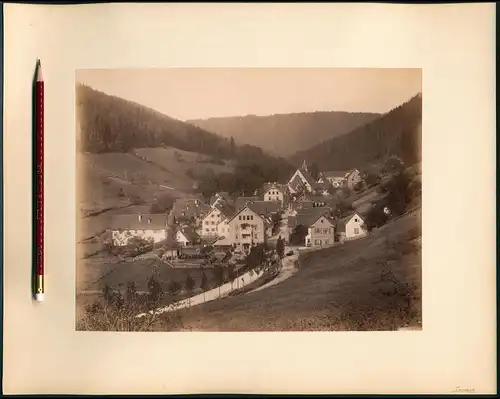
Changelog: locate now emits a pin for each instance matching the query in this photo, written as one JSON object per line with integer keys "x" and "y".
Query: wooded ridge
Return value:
{"x": 284, "y": 134}
{"x": 398, "y": 132}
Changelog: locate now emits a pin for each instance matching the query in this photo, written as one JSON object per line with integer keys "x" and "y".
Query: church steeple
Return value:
{"x": 304, "y": 165}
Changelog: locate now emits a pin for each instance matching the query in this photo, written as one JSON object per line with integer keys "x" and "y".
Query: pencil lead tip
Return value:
{"x": 39, "y": 76}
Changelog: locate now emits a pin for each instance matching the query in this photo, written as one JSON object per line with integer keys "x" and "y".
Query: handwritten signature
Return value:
{"x": 467, "y": 390}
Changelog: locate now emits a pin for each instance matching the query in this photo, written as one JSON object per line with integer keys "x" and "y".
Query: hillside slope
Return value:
{"x": 130, "y": 182}
{"x": 284, "y": 134}
{"x": 399, "y": 132}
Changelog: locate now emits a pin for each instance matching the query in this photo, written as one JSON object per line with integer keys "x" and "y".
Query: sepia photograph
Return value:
{"x": 249, "y": 199}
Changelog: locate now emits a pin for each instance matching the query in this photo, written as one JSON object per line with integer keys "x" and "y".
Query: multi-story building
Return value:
{"x": 219, "y": 212}
{"x": 319, "y": 229}
{"x": 275, "y": 192}
{"x": 247, "y": 228}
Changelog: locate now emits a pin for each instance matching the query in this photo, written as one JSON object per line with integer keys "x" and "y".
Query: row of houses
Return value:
{"x": 312, "y": 207}
{"x": 303, "y": 181}
{"x": 223, "y": 222}
{"x": 244, "y": 221}
{"x": 321, "y": 229}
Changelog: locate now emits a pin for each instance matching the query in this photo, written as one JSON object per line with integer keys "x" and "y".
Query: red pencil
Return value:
{"x": 39, "y": 283}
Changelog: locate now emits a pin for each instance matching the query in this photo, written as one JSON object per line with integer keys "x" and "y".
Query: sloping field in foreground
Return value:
{"x": 372, "y": 283}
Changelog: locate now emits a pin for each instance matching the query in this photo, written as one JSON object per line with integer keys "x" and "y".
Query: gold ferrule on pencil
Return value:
{"x": 39, "y": 288}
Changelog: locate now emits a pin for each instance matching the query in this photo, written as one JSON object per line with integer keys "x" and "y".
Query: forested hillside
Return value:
{"x": 109, "y": 124}
{"x": 284, "y": 134}
{"x": 399, "y": 132}
{"x": 112, "y": 124}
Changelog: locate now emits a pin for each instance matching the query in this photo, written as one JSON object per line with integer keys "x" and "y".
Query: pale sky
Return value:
{"x": 189, "y": 93}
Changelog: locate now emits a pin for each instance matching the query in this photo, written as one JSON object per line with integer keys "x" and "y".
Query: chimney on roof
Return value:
{"x": 149, "y": 220}
{"x": 139, "y": 217}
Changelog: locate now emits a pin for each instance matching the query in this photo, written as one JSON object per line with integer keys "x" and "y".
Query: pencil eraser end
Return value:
{"x": 39, "y": 297}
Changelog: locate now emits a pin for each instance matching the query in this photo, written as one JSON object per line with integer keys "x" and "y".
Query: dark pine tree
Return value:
{"x": 204, "y": 284}
{"x": 314, "y": 170}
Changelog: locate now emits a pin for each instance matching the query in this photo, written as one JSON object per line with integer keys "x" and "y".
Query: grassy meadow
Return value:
{"x": 128, "y": 183}
{"x": 178, "y": 163}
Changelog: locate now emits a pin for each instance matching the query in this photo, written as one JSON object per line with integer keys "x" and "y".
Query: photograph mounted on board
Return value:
{"x": 249, "y": 199}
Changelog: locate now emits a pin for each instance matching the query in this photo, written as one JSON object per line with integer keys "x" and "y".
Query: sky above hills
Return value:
{"x": 191, "y": 93}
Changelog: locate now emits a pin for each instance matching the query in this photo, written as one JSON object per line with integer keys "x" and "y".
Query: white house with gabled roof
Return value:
{"x": 150, "y": 227}
{"x": 209, "y": 223}
{"x": 187, "y": 236}
{"x": 275, "y": 192}
{"x": 247, "y": 228}
{"x": 219, "y": 212}
{"x": 351, "y": 227}
{"x": 320, "y": 228}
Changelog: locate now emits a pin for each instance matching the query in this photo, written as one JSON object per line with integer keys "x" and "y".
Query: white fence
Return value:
{"x": 211, "y": 295}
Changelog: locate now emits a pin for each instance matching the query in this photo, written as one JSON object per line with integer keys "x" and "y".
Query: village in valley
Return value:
{"x": 172, "y": 239}
{"x": 302, "y": 211}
